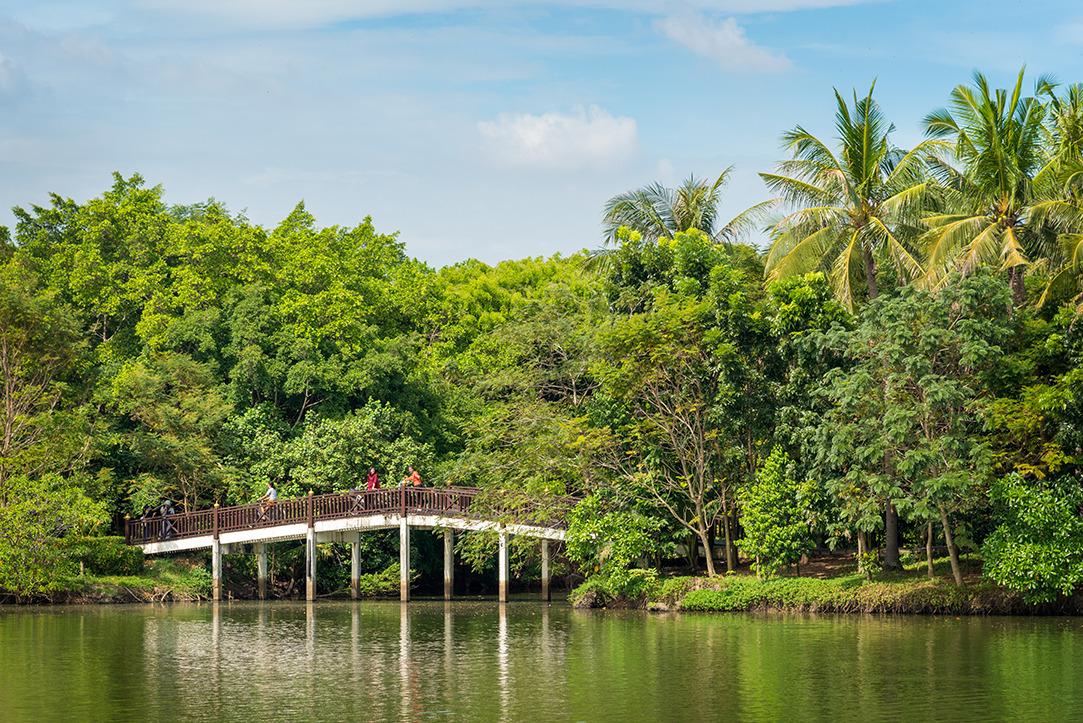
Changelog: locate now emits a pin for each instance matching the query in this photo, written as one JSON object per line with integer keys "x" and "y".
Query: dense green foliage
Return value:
{"x": 609, "y": 542}
{"x": 1038, "y": 547}
{"x": 104, "y": 555}
{"x": 851, "y": 594}
{"x": 776, "y": 534}
{"x": 910, "y": 346}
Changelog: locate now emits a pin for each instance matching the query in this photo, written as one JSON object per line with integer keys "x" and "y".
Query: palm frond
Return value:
{"x": 798, "y": 253}
{"x": 1068, "y": 279}
{"x": 796, "y": 191}
{"x": 909, "y": 267}
{"x": 849, "y": 266}
{"x": 751, "y": 219}
{"x": 948, "y": 237}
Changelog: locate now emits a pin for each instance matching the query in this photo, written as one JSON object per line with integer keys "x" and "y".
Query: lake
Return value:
{"x": 478, "y": 660}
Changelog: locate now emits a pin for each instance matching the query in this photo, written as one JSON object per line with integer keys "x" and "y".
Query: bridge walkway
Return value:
{"x": 340, "y": 517}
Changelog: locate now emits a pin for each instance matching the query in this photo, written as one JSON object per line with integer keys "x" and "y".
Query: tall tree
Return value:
{"x": 660, "y": 366}
{"x": 848, "y": 206}
{"x": 178, "y": 413}
{"x": 672, "y": 361}
{"x": 40, "y": 350}
{"x": 991, "y": 214}
{"x": 905, "y": 425}
{"x": 1064, "y": 144}
{"x": 657, "y": 212}
{"x": 107, "y": 258}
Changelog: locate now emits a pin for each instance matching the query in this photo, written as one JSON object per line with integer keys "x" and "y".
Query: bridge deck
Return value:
{"x": 340, "y": 517}
{"x": 330, "y": 515}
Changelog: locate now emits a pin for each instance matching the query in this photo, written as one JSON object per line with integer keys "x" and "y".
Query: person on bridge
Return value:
{"x": 413, "y": 478}
{"x": 372, "y": 482}
{"x": 167, "y": 525}
{"x": 267, "y": 501}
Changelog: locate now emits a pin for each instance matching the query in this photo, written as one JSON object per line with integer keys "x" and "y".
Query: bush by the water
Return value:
{"x": 852, "y": 594}
{"x": 380, "y": 584}
{"x": 104, "y": 555}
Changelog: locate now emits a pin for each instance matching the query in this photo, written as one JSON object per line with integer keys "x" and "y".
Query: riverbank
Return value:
{"x": 175, "y": 579}
{"x": 852, "y": 594}
{"x": 185, "y": 578}
{"x": 832, "y": 585}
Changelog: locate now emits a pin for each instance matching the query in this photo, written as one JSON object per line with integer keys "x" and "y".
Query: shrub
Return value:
{"x": 623, "y": 587}
{"x": 380, "y": 584}
{"x": 104, "y": 555}
{"x": 775, "y": 534}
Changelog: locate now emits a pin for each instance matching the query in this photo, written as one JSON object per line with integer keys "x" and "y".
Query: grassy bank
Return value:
{"x": 161, "y": 579}
{"x": 849, "y": 594}
{"x": 184, "y": 578}
{"x": 909, "y": 592}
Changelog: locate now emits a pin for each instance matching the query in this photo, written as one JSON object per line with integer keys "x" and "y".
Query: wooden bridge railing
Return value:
{"x": 448, "y": 501}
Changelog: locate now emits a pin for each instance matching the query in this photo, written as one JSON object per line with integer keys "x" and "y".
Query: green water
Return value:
{"x": 527, "y": 661}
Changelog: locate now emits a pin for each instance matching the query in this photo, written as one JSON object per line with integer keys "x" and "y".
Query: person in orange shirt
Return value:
{"x": 413, "y": 478}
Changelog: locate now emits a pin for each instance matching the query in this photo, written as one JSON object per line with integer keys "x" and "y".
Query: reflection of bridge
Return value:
{"x": 340, "y": 517}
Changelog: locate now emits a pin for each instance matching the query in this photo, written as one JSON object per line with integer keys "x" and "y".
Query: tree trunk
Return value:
{"x": 870, "y": 272}
{"x": 727, "y": 531}
{"x": 929, "y": 549}
{"x": 1019, "y": 290}
{"x": 731, "y": 548}
{"x": 891, "y": 538}
{"x": 953, "y": 553}
{"x": 891, "y": 516}
{"x": 861, "y": 552}
{"x": 707, "y": 549}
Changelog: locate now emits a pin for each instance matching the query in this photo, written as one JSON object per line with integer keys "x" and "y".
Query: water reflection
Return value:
{"x": 526, "y": 661}
{"x": 504, "y": 683}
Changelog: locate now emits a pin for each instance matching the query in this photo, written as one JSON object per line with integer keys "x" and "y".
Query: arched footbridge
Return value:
{"x": 342, "y": 517}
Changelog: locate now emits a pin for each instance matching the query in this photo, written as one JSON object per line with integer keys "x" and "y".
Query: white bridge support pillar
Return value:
{"x": 404, "y": 560}
{"x": 310, "y": 565}
{"x": 449, "y": 564}
{"x": 261, "y": 569}
{"x": 355, "y": 567}
{"x": 546, "y": 595}
{"x": 216, "y": 570}
{"x": 504, "y": 567}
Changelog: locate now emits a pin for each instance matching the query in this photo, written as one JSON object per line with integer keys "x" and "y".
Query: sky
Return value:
{"x": 485, "y": 129}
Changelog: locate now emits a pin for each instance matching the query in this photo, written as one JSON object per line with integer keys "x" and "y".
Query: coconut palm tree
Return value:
{"x": 997, "y": 204}
{"x": 657, "y": 212}
{"x": 850, "y": 206}
{"x": 1064, "y": 141}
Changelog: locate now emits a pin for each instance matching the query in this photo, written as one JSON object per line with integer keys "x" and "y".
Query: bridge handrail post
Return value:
{"x": 127, "y": 530}
{"x": 311, "y": 511}
{"x": 216, "y": 520}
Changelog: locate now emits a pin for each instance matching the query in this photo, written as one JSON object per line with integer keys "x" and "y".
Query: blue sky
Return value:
{"x": 488, "y": 130}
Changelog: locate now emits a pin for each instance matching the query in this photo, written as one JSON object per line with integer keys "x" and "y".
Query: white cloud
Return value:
{"x": 554, "y": 141}
{"x": 12, "y": 80}
{"x": 725, "y": 42}
{"x": 665, "y": 169}
{"x": 88, "y": 49}
{"x": 61, "y": 16}
{"x": 316, "y": 13}
{"x": 1069, "y": 31}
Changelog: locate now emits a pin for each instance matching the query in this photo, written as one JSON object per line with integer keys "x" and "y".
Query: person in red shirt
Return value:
{"x": 372, "y": 482}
